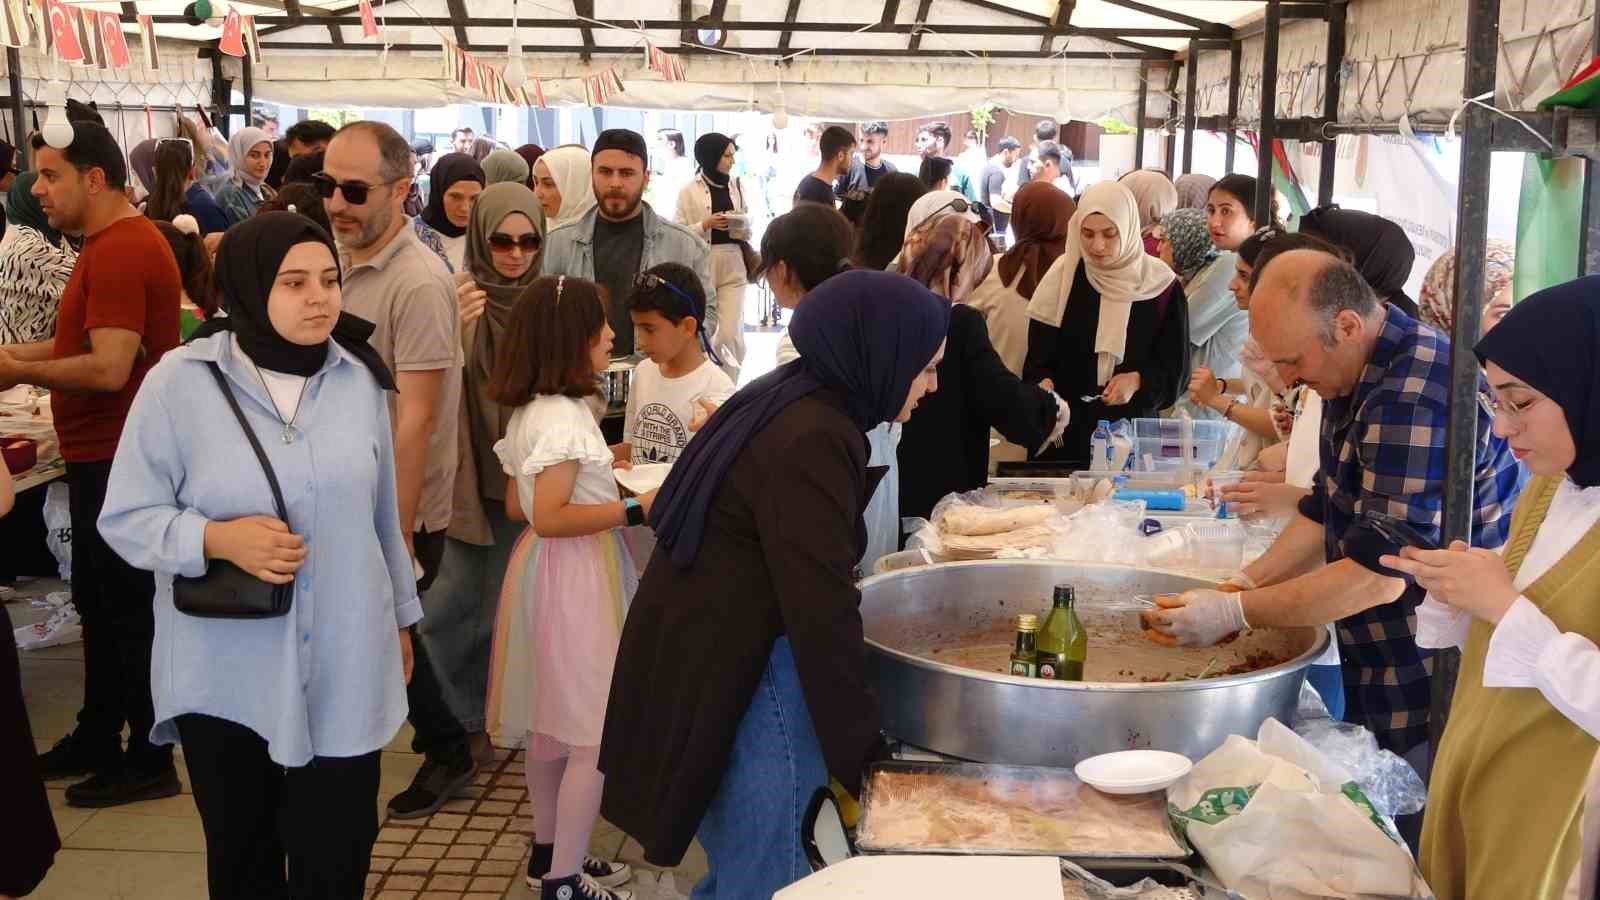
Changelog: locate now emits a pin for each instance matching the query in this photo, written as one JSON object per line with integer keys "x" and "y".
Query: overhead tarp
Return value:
{"x": 122, "y": 95}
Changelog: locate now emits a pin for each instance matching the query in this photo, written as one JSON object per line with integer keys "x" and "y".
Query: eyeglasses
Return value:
{"x": 356, "y": 193}
{"x": 1511, "y": 412}
{"x": 505, "y": 243}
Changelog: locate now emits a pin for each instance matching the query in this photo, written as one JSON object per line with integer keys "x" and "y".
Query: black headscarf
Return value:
{"x": 1549, "y": 341}
{"x": 450, "y": 168}
{"x": 280, "y": 165}
{"x": 247, "y": 264}
{"x": 708, "y": 152}
{"x": 866, "y": 335}
{"x": 1378, "y": 248}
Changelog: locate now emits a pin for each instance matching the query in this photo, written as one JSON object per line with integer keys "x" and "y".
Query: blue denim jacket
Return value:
{"x": 324, "y": 680}
{"x": 569, "y": 250}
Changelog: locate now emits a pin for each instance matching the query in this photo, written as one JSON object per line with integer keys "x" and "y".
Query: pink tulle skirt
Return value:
{"x": 555, "y": 641}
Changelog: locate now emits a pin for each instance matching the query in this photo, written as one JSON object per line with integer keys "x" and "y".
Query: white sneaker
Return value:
{"x": 605, "y": 874}
{"x": 62, "y": 627}
{"x": 582, "y": 887}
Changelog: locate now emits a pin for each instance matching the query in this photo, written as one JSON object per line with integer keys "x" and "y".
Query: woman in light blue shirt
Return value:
{"x": 1217, "y": 326}
{"x": 282, "y": 719}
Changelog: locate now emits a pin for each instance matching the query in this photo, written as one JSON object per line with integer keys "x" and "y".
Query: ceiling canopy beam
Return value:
{"x": 1212, "y": 29}
{"x": 1038, "y": 29}
{"x": 873, "y": 53}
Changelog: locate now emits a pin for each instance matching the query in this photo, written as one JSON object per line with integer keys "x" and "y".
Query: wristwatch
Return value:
{"x": 633, "y": 512}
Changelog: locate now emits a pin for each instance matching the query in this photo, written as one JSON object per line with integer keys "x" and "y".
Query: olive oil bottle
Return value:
{"x": 1024, "y": 659}
{"x": 1062, "y": 645}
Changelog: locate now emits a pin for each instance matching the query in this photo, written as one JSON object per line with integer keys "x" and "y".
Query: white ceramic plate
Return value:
{"x": 1133, "y": 771}
{"x": 643, "y": 478}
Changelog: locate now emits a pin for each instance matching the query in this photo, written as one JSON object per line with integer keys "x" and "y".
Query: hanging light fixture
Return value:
{"x": 57, "y": 131}
{"x": 515, "y": 74}
{"x": 780, "y": 106}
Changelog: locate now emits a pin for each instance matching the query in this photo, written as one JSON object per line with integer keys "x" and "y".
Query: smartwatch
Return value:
{"x": 633, "y": 512}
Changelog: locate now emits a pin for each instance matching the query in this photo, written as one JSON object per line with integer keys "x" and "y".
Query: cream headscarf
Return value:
{"x": 933, "y": 203}
{"x": 569, "y": 166}
{"x": 1132, "y": 276}
{"x": 1154, "y": 193}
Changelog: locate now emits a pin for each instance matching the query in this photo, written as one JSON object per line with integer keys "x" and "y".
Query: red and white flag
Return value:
{"x": 64, "y": 32}
{"x": 232, "y": 42}
{"x": 369, "y": 22}
{"x": 252, "y": 40}
{"x": 147, "y": 38}
{"x": 116, "y": 43}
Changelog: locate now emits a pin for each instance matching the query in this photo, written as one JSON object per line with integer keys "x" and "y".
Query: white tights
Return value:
{"x": 566, "y": 804}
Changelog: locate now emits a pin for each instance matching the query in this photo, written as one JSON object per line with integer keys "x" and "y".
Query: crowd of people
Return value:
{"x": 382, "y": 402}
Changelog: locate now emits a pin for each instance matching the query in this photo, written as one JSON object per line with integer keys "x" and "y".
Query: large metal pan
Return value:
{"x": 990, "y": 717}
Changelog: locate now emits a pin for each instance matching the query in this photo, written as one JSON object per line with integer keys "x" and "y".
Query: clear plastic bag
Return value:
{"x": 1103, "y": 533}
{"x": 1390, "y": 782}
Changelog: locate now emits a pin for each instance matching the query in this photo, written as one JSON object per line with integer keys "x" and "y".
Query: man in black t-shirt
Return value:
{"x": 866, "y": 169}
{"x": 835, "y": 146}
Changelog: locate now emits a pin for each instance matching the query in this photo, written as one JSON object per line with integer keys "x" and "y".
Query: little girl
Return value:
{"x": 570, "y": 578}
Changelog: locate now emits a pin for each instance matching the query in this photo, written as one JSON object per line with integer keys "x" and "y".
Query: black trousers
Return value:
{"x": 321, "y": 818}
{"x": 32, "y": 842}
{"x": 116, "y": 603}
{"x": 438, "y": 733}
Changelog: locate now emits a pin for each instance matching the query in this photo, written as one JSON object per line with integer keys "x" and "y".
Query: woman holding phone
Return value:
{"x": 1526, "y": 713}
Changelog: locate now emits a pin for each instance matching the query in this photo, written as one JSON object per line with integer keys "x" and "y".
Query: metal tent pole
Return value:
{"x": 1144, "y": 103}
{"x": 1191, "y": 82}
{"x": 249, "y": 91}
{"x": 1472, "y": 232}
{"x": 1172, "y": 113}
{"x": 1269, "y": 112}
{"x": 1234, "y": 53}
{"x": 1330, "y": 101}
{"x": 19, "y": 125}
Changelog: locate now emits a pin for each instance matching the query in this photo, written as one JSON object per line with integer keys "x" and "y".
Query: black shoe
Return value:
{"x": 602, "y": 873}
{"x": 125, "y": 785}
{"x": 582, "y": 887}
{"x": 73, "y": 757}
{"x": 435, "y": 783}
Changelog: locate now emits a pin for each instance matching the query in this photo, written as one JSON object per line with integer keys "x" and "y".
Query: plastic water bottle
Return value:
{"x": 1100, "y": 448}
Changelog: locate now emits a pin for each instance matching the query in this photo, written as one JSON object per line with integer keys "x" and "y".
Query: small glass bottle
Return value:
{"x": 1024, "y": 659}
{"x": 1063, "y": 644}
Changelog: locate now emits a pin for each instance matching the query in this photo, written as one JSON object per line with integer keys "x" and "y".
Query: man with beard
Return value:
{"x": 933, "y": 139}
{"x": 865, "y": 169}
{"x": 395, "y": 282}
{"x": 461, "y": 139}
{"x": 623, "y": 236}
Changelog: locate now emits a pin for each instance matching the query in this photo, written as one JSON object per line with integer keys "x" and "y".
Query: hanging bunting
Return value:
{"x": 13, "y": 24}
{"x": 533, "y": 94}
{"x": 147, "y": 37}
{"x": 97, "y": 36}
{"x": 658, "y": 60}
{"x": 232, "y": 42}
{"x": 252, "y": 41}
{"x": 116, "y": 43}
{"x": 85, "y": 34}
{"x": 369, "y": 22}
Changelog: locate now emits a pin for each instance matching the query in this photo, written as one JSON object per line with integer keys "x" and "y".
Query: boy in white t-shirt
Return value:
{"x": 677, "y": 388}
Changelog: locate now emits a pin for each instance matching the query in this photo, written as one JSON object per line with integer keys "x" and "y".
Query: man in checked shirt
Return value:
{"x": 1384, "y": 379}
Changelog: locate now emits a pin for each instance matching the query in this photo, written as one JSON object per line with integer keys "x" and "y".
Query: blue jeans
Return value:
{"x": 1329, "y": 682}
{"x": 751, "y": 832}
{"x": 458, "y": 612}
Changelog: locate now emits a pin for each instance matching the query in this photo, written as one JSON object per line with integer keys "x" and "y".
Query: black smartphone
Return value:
{"x": 1400, "y": 531}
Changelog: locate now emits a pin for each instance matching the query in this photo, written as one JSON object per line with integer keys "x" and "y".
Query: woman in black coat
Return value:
{"x": 944, "y": 448}
{"x": 740, "y": 684}
{"x": 1109, "y": 321}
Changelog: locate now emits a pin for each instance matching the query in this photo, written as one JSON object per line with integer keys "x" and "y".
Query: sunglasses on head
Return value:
{"x": 355, "y": 192}
{"x": 646, "y": 281}
{"x": 505, "y": 243}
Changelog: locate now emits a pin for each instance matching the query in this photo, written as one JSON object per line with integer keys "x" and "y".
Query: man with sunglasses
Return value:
{"x": 118, "y": 316}
{"x": 394, "y": 281}
{"x": 623, "y": 236}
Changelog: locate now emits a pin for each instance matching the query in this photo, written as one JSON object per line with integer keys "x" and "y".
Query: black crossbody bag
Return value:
{"x": 226, "y": 591}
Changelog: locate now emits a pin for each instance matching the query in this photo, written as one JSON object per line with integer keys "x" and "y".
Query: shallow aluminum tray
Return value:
{"x": 990, "y": 717}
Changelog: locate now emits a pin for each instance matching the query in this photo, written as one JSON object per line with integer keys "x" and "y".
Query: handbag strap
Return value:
{"x": 272, "y": 477}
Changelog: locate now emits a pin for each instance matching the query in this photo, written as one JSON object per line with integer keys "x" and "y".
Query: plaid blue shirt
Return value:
{"x": 1383, "y": 449}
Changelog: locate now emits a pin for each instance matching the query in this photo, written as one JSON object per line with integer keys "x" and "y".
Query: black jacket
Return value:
{"x": 782, "y": 541}
{"x": 1157, "y": 348}
{"x": 945, "y": 446}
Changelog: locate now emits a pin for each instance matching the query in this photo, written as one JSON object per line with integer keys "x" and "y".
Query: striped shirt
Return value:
{"x": 1383, "y": 450}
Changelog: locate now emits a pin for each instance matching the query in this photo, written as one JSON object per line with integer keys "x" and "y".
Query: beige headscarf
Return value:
{"x": 569, "y": 166}
{"x": 1132, "y": 276}
{"x": 1154, "y": 193}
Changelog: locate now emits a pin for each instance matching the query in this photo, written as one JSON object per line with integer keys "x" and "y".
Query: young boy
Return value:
{"x": 677, "y": 388}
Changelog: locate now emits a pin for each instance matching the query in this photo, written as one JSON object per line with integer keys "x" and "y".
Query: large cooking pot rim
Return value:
{"x": 1318, "y": 646}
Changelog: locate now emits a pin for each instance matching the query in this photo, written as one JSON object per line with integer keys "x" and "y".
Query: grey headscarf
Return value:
{"x": 505, "y": 165}
{"x": 1193, "y": 189}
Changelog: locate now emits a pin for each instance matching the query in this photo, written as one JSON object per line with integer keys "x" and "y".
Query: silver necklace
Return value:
{"x": 288, "y": 426}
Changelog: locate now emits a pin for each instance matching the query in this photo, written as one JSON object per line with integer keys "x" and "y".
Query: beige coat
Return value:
{"x": 1584, "y": 881}
{"x": 1005, "y": 312}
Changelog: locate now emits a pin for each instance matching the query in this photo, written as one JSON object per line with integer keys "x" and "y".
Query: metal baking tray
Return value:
{"x": 1051, "y": 791}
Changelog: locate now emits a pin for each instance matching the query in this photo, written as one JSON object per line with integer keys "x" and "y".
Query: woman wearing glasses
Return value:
{"x": 454, "y": 182}
{"x": 1526, "y": 716}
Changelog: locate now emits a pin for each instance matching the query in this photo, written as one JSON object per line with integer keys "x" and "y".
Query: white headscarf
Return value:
{"x": 931, "y": 203}
{"x": 238, "y": 148}
{"x": 1132, "y": 276}
{"x": 569, "y": 166}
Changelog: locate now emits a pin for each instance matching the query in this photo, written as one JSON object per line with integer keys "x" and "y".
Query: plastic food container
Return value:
{"x": 1159, "y": 443}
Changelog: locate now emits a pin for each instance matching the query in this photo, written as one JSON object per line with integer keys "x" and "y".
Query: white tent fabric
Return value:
{"x": 121, "y": 96}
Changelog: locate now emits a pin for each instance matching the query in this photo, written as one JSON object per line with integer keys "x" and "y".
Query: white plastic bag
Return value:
{"x": 58, "y": 527}
{"x": 1275, "y": 818}
{"x": 62, "y": 626}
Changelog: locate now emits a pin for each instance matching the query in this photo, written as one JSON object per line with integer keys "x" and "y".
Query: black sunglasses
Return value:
{"x": 355, "y": 192}
{"x": 505, "y": 243}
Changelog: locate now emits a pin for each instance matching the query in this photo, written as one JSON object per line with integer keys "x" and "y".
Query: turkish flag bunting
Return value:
{"x": 232, "y": 42}
{"x": 116, "y": 43}
{"x": 369, "y": 22}
{"x": 252, "y": 41}
{"x": 13, "y": 24}
{"x": 147, "y": 37}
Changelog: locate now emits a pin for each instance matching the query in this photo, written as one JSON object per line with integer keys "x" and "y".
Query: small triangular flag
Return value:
{"x": 232, "y": 42}
{"x": 369, "y": 22}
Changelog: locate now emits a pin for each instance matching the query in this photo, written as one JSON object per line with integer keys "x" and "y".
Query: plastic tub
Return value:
{"x": 1159, "y": 443}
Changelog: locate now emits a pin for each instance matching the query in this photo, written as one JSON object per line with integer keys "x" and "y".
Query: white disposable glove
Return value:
{"x": 1198, "y": 618}
{"x": 1241, "y": 581}
{"x": 1063, "y": 419}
